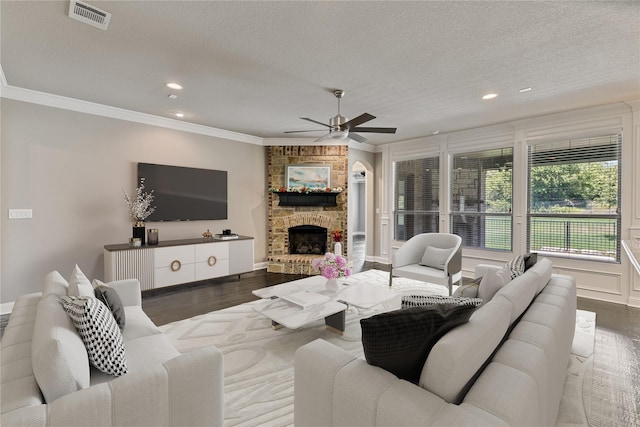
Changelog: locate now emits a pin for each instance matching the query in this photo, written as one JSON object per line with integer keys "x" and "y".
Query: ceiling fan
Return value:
{"x": 342, "y": 128}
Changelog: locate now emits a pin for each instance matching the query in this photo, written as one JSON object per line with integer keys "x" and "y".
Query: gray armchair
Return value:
{"x": 429, "y": 257}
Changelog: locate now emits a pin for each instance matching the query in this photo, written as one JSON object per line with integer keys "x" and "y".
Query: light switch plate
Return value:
{"x": 20, "y": 213}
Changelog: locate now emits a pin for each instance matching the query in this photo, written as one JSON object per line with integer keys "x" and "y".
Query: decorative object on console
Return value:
{"x": 337, "y": 238}
{"x": 152, "y": 238}
{"x": 207, "y": 235}
{"x": 332, "y": 267}
{"x": 139, "y": 209}
{"x": 135, "y": 242}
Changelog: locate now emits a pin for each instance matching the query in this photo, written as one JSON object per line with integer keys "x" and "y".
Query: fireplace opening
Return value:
{"x": 307, "y": 240}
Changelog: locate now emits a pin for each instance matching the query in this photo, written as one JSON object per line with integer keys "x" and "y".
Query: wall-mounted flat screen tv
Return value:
{"x": 185, "y": 194}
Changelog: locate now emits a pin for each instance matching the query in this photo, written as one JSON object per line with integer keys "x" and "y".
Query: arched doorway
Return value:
{"x": 360, "y": 213}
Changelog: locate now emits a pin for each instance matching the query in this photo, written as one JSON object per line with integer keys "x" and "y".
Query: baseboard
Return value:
{"x": 634, "y": 302}
{"x": 6, "y": 308}
{"x": 377, "y": 259}
{"x": 260, "y": 265}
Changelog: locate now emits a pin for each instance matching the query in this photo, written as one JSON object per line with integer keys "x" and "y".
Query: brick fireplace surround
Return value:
{"x": 281, "y": 218}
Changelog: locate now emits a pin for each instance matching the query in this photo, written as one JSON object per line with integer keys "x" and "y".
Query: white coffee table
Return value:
{"x": 292, "y": 316}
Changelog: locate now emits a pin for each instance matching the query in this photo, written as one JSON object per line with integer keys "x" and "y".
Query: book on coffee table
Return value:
{"x": 305, "y": 299}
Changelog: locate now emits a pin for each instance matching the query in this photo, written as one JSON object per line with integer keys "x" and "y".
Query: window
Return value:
{"x": 416, "y": 203}
{"x": 574, "y": 198}
{"x": 481, "y": 198}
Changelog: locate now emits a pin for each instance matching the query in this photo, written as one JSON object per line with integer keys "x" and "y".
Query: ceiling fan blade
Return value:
{"x": 376, "y": 130}
{"x": 315, "y": 121}
{"x": 362, "y": 118}
{"x": 323, "y": 138}
{"x": 298, "y": 131}
{"x": 356, "y": 137}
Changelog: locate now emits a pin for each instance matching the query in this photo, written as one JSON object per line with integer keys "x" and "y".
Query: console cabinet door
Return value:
{"x": 241, "y": 256}
{"x": 174, "y": 265}
{"x": 212, "y": 260}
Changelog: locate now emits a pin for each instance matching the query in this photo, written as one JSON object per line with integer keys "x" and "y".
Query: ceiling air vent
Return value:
{"x": 88, "y": 14}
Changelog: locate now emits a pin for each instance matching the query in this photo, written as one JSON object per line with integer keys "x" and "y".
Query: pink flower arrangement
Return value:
{"x": 332, "y": 266}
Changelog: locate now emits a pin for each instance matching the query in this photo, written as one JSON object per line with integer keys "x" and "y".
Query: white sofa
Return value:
{"x": 162, "y": 387}
{"x": 533, "y": 316}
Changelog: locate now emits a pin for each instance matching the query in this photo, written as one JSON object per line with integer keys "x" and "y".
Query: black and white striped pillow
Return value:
{"x": 516, "y": 266}
{"x": 422, "y": 300}
{"x": 99, "y": 332}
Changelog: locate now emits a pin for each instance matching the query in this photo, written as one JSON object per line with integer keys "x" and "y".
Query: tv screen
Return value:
{"x": 185, "y": 194}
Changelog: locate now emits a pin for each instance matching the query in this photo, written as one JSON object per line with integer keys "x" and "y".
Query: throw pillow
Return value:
{"x": 492, "y": 282}
{"x": 530, "y": 259}
{"x": 422, "y": 300}
{"x": 54, "y": 283}
{"x": 99, "y": 332}
{"x": 468, "y": 290}
{"x": 435, "y": 257}
{"x": 516, "y": 266}
{"x": 399, "y": 341}
{"x": 79, "y": 285}
{"x": 111, "y": 299}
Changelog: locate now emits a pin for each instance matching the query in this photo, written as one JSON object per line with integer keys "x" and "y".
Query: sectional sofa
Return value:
{"x": 505, "y": 367}
{"x": 47, "y": 379}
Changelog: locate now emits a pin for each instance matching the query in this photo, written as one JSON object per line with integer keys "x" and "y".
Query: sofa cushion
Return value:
{"x": 435, "y": 257}
{"x": 543, "y": 269}
{"x": 58, "y": 355}
{"x": 54, "y": 283}
{"x": 461, "y": 352}
{"x": 492, "y": 281}
{"x": 99, "y": 332}
{"x": 138, "y": 324}
{"x": 468, "y": 290}
{"x": 79, "y": 285}
{"x": 399, "y": 341}
{"x": 111, "y": 299}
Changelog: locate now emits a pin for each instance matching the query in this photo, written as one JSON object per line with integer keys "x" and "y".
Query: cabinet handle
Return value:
{"x": 212, "y": 260}
{"x": 176, "y": 265}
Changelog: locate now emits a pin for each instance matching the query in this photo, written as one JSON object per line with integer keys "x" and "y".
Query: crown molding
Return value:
{"x": 72, "y": 104}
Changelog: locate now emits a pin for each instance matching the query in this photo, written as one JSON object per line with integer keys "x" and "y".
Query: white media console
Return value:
{"x": 173, "y": 262}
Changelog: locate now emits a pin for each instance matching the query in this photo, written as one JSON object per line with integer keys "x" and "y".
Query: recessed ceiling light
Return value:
{"x": 175, "y": 86}
{"x": 173, "y": 96}
{"x": 179, "y": 114}
{"x": 524, "y": 89}
{"x": 435, "y": 132}
{"x": 490, "y": 96}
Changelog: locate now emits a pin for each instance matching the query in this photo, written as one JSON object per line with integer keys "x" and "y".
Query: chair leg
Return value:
{"x": 391, "y": 277}
{"x": 450, "y": 285}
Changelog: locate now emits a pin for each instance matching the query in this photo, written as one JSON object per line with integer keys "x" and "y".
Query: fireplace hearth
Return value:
{"x": 307, "y": 240}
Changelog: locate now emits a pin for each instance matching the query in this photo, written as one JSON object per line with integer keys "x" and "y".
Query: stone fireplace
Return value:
{"x": 299, "y": 234}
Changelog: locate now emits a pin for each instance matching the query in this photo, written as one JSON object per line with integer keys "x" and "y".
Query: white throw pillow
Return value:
{"x": 54, "y": 283}
{"x": 79, "y": 285}
{"x": 58, "y": 355}
{"x": 492, "y": 282}
{"x": 435, "y": 257}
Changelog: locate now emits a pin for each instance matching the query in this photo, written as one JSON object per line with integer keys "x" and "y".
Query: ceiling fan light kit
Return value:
{"x": 342, "y": 128}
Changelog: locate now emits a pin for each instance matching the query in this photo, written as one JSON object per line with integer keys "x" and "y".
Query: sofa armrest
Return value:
{"x": 186, "y": 390}
{"x": 129, "y": 291}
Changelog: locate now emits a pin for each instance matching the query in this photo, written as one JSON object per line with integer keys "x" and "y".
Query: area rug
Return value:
{"x": 258, "y": 360}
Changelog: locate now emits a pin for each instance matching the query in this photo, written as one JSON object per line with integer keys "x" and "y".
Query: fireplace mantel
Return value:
{"x": 293, "y": 198}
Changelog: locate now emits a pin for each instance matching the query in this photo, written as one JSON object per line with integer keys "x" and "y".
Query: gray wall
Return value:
{"x": 70, "y": 168}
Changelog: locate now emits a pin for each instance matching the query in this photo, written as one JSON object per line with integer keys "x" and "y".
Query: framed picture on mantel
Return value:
{"x": 308, "y": 176}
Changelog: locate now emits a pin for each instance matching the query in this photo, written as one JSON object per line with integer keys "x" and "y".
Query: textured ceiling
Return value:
{"x": 256, "y": 67}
